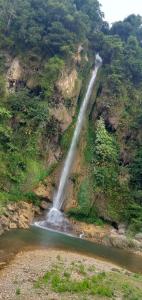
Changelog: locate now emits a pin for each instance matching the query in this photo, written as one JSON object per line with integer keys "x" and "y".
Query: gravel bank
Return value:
{"x": 17, "y": 279}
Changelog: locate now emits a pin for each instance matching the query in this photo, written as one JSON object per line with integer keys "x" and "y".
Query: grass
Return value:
{"x": 63, "y": 282}
{"x": 24, "y": 191}
{"x": 78, "y": 279}
{"x": 18, "y": 291}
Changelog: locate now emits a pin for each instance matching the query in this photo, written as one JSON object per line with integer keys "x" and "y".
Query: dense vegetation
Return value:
{"x": 113, "y": 149}
{"x": 45, "y": 35}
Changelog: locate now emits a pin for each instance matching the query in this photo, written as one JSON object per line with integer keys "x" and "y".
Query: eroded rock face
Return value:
{"x": 44, "y": 191}
{"x": 67, "y": 84}
{"x": 18, "y": 215}
{"x": 62, "y": 116}
{"x": 14, "y": 75}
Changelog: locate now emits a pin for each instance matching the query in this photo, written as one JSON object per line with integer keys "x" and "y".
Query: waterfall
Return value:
{"x": 55, "y": 215}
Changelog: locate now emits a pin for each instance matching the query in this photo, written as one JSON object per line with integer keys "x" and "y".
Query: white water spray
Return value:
{"x": 55, "y": 216}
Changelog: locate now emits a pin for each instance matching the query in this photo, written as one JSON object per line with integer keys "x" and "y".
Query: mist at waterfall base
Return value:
{"x": 55, "y": 218}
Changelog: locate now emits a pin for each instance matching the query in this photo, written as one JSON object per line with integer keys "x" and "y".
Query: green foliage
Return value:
{"x": 89, "y": 149}
{"x": 18, "y": 291}
{"x": 136, "y": 170}
{"x": 60, "y": 283}
{"x": 130, "y": 26}
{"x": 47, "y": 26}
{"x": 105, "y": 145}
{"x": 50, "y": 74}
{"x": 67, "y": 136}
{"x": 133, "y": 215}
{"x": 51, "y": 31}
{"x": 82, "y": 280}
{"x": 85, "y": 210}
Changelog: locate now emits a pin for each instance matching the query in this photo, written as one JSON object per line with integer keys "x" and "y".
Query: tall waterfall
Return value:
{"x": 55, "y": 216}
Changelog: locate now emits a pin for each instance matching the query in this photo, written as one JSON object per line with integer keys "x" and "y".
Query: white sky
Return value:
{"x": 116, "y": 10}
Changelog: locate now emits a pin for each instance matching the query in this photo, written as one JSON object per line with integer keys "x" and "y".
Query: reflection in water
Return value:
{"x": 19, "y": 240}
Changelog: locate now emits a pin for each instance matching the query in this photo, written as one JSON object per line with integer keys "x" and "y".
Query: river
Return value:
{"x": 36, "y": 238}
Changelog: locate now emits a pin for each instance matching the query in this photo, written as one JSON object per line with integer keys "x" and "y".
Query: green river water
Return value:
{"x": 36, "y": 238}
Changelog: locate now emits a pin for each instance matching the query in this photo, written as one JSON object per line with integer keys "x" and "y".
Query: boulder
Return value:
{"x": 11, "y": 207}
{"x": 123, "y": 242}
{"x": 4, "y": 222}
{"x": 121, "y": 229}
{"x": 23, "y": 223}
{"x": 44, "y": 191}
{"x": 25, "y": 214}
{"x": 119, "y": 241}
{"x": 12, "y": 226}
{"x": 138, "y": 236}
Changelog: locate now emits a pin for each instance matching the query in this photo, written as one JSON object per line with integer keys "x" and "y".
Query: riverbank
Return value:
{"x": 21, "y": 215}
{"x": 53, "y": 274}
{"x": 109, "y": 236}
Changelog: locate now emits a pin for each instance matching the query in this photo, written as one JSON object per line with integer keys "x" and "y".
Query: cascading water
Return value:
{"x": 55, "y": 216}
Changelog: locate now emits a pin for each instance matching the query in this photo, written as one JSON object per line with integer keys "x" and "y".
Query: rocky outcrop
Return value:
{"x": 108, "y": 236}
{"x": 14, "y": 75}
{"x": 122, "y": 241}
{"x": 62, "y": 115}
{"x": 45, "y": 190}
{"x": 17, "y": 215}
{"x": 67, "y": 84}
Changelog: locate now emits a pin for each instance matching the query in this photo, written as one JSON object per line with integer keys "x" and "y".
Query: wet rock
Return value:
{"x": 44, "y": 205}
{"x": 4, "y": 221}
{"x": 37, "y": 211}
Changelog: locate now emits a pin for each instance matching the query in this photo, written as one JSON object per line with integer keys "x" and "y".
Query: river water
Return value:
{"x": 37, "y": 238}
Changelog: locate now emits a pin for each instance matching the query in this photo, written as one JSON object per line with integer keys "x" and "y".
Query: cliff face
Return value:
{"x": 24, "y": 94}
{"x": 43, "y": 77}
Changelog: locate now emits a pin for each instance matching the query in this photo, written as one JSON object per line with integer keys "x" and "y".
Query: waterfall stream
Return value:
{"x": 55, "y": 215}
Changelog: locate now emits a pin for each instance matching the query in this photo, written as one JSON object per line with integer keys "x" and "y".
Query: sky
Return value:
{"x": 116, "y": 10}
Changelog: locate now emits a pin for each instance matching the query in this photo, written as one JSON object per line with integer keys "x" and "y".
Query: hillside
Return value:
{"x": 47, "y": 52}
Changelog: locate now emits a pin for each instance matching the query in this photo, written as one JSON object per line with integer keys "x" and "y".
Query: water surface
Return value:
{"x": 37, "y": 238}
